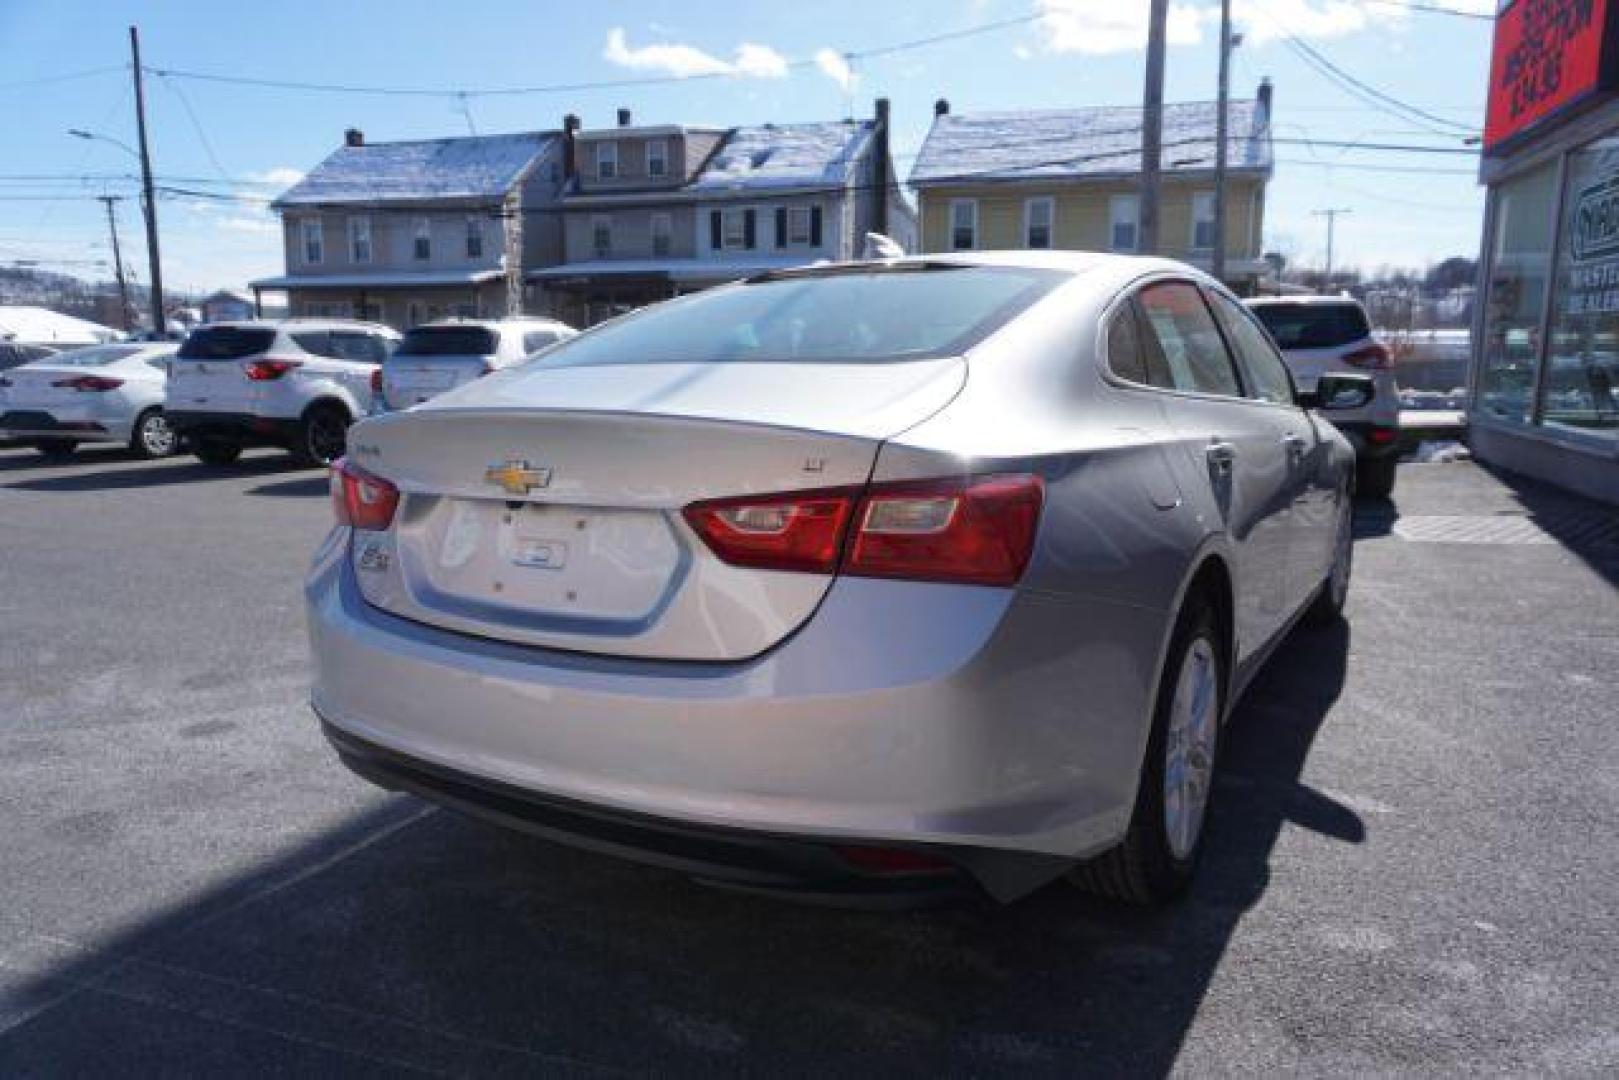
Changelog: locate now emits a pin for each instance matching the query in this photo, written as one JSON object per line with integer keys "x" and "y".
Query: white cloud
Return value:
{"x": 835, "y": 67}
{"x": 249, "y": 224}
{"x": 1096, "y": 27}
{"x": 752, "y": 60}
{"x": 281, "y": 175}
{"x": 1264, "y": 21}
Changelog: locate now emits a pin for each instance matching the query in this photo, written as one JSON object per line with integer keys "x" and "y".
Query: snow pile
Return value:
{"x": 476, "y": 167}
{"x": 1440, "y": 452}
{"x": 786, "y": 155}
{"x": 42, "y": 326}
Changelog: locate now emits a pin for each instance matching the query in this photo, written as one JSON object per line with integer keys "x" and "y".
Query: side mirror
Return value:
{"x": 1338, "y": 392}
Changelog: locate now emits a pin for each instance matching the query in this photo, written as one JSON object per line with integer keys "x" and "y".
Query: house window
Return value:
{"x": 798, "y": 226}
{"x": 657, "y": 157}
{"x": 314, "y": 236}
{"x": 601, "y": 235}
{"x": 663, "y": 232}
{"x": 1124, "y": 222}
{"x": 963, "y": 224}
{"x": 1203, "y": 221}
{"x": 606, "y": 160}
{"x": 422, "y": 249}
{"x": 735, "y": 232}
{"x": 474, "y": 238}
{"x": 360, "y": 239}
{"x": 1038, "y": 215}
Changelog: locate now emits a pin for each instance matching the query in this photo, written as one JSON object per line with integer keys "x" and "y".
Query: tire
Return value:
{"x": 152, "y": 437}
{"x": 1328, "y": 606}
{"x": 322, "y": 436}
{"x": 56, "y": 449}
{"x": 1149, "y": 867}
{"x": 1374, "y": 477}
{"x": 215, "y": 452}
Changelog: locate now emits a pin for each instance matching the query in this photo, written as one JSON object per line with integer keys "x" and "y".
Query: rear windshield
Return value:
{"x": 225, "y": 343}
{"x": 95, "y": 356}
{"x": 839, "y": 317}
{"x": 1313, "y": 326}
{"x": 448, "y": 341}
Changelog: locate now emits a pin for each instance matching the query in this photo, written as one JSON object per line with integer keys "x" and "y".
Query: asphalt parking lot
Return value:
{"x": 1413, "y": 863}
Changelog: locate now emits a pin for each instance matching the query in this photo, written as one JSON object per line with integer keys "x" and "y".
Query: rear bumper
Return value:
{"x": 243, "y": 429}
{"x": 1002, "y": 729}
{"x": 78, "y": 425}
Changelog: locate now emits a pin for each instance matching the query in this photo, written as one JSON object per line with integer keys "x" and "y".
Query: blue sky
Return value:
{"x": 770, "y": 61}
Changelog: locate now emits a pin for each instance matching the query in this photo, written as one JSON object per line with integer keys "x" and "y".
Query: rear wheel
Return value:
{"x": 57, "y": 449}
{"x": 152, "y": 436}
{"x": 322, "y": 435}
{"x": 216, "y": 452}
{"x": 1156, "y": 861}
{"x": 1374, "y": 477}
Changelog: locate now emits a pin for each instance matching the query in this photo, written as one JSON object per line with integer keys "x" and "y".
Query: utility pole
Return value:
{"x": 1331, "y": 214}
{"x": 1217, "y": 257}
{"x": 158, "y": 325}
{"x": 117, "y": 259}
{"x": 1152, "y": 125}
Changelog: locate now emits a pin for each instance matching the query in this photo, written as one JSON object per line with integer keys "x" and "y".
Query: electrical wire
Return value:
{"x": 1431, "y": 9}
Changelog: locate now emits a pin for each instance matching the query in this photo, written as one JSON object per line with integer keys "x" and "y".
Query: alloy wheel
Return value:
{"x": 327, "y": 435}
{"x": 157, "y": 437}
{"x": 1190, "y": 746}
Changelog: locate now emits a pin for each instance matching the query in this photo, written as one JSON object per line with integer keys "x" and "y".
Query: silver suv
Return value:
{"x": 439, "y": 356}
{"x": 296, "y": 383}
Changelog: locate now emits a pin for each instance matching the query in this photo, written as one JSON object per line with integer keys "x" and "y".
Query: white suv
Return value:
{"x": 1321, "y": 335}
{"x": 438, "y": 356}
{"x": 296, "y": 383}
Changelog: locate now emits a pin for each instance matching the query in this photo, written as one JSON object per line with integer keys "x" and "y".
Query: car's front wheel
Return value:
{"x": 153, "y": 437}
{"x": 1328, "y": 606}
{"x": 1160, "y": 850}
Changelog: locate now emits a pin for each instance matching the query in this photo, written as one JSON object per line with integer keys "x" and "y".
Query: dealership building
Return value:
{"x": 1544, "y": 397}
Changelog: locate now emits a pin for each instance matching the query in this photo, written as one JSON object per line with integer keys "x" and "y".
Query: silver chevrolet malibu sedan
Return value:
{"x": 864, "y": 582}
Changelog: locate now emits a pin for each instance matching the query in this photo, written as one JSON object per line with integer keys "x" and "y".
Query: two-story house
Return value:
{"x": 406, "y": 232}
{"x": 652, "y": 212}
{"x": 1071, "y": 179}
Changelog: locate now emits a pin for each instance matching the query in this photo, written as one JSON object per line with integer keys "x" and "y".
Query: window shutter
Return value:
{"x": 715, "y": 240}
{"x": 781, "y": 226}
{"x": 748, "y": 228}
{"x": 815, "y": 226}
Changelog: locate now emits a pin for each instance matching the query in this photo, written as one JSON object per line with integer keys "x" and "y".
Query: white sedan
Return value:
{"x": 104, "y": 393}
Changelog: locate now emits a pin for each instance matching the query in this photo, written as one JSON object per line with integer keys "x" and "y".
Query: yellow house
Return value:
{"x": 1071, "y": 179}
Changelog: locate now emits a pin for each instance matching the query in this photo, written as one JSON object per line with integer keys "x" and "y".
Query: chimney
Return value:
{"x": 1265, "y": 94}
{"x": 623, "y": 118}
{"x": 879, "y": 169}
{"x": 570, "y": 164}
{"x": 353, "y": 137}
{"x": 941, "y": 107}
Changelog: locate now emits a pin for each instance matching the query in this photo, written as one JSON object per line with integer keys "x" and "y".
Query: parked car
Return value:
{"x": 858, "y": 578}
{"x": 102, "y": 393}
{"x": 295, "y": 383}
{"x": 14, "y": 355}
{"x": 1331, "y": 334}
{"x": 442, "y": 355}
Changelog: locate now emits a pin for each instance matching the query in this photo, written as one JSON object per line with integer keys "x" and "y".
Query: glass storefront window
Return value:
{"x": 1582, "y": 376}
{"x": 1520, "y": 269}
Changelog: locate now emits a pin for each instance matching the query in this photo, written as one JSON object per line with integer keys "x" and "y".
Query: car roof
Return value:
{"x": 298, "y": 324}
{"x": 494, "y": 324}
{"x": 1308, "y": 301}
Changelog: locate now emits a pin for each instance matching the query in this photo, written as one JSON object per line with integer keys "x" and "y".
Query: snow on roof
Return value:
{"x": 786, "y": 155}
{"x": 1067, "y": 143}
{"x": 475, "y": 167}
{"x": 42, "y": 326}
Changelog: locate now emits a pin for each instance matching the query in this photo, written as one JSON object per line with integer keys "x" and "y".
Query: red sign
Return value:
{"x": 1548, "y": 55}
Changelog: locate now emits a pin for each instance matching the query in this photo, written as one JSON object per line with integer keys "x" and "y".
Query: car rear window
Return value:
{"x": 841, "y": 316}
{"x": 96, "y": 355}
{"x": 1313, "y": 326}
{"x": 448, "y": 341}
{"x": 225, "y": 343}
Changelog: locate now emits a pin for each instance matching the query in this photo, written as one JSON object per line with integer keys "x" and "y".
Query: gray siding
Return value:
{"x": 632, "y": 232}
{"x": 393, "y": 239}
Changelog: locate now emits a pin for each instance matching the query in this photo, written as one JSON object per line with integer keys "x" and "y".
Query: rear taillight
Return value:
{"x": 976, "y": 531}
{"x": 1374, "y": 356}
{"x": 376, "y": 380}
{"x": 269, "y": 370}
{"x": 360, "y": 500}
{"x": 802, "y": 531}
{"x": 881, "y": 860}
{"x": 89, "y": 384}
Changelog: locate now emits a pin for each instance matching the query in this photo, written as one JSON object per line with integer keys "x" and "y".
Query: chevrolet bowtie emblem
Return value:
{"x": 517, "y": 478}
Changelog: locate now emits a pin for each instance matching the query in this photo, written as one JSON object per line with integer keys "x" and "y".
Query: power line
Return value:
{"x": 1370, "y": 94}
{"x": 1416, "y": 170}
{"x": 561, "y": 88}
{"x": 1431, "y": 9}
{"x": 64, "y": 77}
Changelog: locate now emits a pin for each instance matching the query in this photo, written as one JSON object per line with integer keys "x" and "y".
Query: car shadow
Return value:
{"x": 1587, "y": 529}
{"x": 158, "y": 474}
{"x": 303, "y": 487}
{"x": 441, "y": 943}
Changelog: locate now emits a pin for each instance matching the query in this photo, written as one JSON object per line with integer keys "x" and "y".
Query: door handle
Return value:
{"x": 1222, "y": 455}
{"x": 1295, "y": 445}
